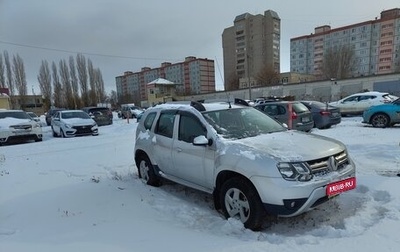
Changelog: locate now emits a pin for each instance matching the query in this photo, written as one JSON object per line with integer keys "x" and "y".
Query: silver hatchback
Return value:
{"x": 250, "y": 163}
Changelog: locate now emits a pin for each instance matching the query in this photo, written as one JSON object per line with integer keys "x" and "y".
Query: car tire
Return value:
{"x": 54, "y": 133}
{"x": 380, "y": 120}
{"x": 62, "y": 133}
{"x": 146, "y": 171}
{"x": 239, "y": 198}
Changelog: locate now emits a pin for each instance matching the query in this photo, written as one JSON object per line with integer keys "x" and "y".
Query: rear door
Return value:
{"x": 164, "y": 132}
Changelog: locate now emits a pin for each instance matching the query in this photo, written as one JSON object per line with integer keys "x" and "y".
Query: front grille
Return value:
{"x": 80, "y": 130}
{"x": 21, "y": 127}
{"x": 327, "y": 164}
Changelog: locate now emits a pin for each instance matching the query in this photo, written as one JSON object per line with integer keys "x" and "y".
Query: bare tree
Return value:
{"x": 338, "y": 62}
{"x": 2, "y": 77}
{"x": 74, "y": 83}
{"x": 83, "y": 78}
{"x": 100, "y": 93}
{"x": 66, "y": 84}
{"x": 92, "y": 83}
{"x": 113, "y": 98}
{"x": 232, "y": 83}
{"x": 57, "y": 95}
{"x": 44, "y": 79}
{"x": 10, "y": 81}
{"x": 268, "y": 76}
{"x": 20, "y": 79}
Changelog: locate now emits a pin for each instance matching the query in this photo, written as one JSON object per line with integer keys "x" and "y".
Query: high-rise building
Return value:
{"x": 249, "y": 46}
{"x": 375, "y": 44}
{"x": 192, "y": 76}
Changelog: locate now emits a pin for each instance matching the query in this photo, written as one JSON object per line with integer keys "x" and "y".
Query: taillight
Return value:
{"x": 325, "y": 113}
{"x": 294, "y": 115}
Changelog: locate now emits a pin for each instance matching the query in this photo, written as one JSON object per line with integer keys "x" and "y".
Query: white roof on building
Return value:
{"x": 161, "y": 81}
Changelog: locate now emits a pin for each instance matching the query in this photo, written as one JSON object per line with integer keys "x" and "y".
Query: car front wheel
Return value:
{"x": 380, "y": 120}
{"x": 239, "y": 199}
{"x": 146, "y": 172}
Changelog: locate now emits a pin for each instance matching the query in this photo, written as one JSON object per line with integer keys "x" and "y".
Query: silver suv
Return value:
{"x": 250, "y": 163}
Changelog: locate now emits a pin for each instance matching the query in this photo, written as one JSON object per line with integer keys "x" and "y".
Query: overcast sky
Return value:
{"x": 126, "y": 35}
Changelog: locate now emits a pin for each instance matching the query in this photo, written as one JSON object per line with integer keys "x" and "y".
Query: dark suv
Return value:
{"x": 50, "y": 114}
{"x": 293, "y": 113}
{"x": 102, "y": 115}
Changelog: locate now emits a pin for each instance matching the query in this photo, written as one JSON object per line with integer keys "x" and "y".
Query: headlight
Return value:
{"x": 68, "y": 126}
{"x": 294, "y": 171}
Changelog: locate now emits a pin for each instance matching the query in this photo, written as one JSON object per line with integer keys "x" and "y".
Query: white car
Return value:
{"x": 18, "y": 126}
{"x": 70, "y": 123}
{"x": 250, "y": 163}
{"x": 356, "y": 104}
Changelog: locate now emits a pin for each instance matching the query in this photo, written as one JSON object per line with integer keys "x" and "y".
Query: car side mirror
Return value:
{"x": 200, "y": 140}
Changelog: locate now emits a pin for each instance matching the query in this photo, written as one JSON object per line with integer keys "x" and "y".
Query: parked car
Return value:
{"x": 18, "y": 126}
{"x": 251, "y": 164}
{"x": 50, "y": 113}
{"x": 300, "y": 118}
{"x": 102, "y": 115}
{"x": 323, "y": 114}
{"x": 70, "y": 123}
{"x": 131, "y": 111}
{"x": 34, "y": 117}
{"x": 382, "y": 116}
{"x": 356, "y": 104}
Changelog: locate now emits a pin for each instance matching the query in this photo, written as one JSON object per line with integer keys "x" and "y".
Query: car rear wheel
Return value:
{"x": 146, "y": 172}
{"x": 239, "y": 199}
{"x": 380, "y": 120}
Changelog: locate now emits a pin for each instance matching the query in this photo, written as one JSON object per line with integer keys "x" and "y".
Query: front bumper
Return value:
{"x": 291, "y": 198}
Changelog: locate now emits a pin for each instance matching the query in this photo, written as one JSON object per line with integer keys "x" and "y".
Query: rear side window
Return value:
{"x": 299, "y": 107}
{"x": 149, "y": 120}
{"x": 165, "y": 125}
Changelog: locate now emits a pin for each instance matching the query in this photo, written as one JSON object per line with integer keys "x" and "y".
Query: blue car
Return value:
{"x": 382, "y": 116}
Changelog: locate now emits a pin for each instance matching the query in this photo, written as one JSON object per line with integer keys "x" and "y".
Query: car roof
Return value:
{"x": 199, "y": 106}
{"x": 370, "y": 93}
{"x": 11, "y": 110}
{"x": 71, "y": 110}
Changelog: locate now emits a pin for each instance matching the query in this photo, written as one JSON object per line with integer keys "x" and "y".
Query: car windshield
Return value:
{"x": 14, "y": 114}
{"x": 75, "y": 114}
{"x": 241, "y": 123}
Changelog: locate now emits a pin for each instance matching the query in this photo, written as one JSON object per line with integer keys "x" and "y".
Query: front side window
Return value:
{"x": 190, "y": 128}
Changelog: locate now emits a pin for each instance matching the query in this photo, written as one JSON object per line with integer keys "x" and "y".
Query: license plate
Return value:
{"x": 341, "y": 186}
{"x": 305, "y": 119}
{"x": 21, "y": 132}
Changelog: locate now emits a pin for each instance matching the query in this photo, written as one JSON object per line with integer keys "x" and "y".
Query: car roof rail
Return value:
{"x": 241, "y": 102}
{"x": 197, "y": 105}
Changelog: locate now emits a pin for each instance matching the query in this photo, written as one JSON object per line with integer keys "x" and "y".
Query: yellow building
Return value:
{"x": 159, "y": 91}
{"x": 4, "y": 101}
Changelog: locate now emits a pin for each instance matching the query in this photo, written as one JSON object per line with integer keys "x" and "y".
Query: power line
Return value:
{"x": 76, "y": 52}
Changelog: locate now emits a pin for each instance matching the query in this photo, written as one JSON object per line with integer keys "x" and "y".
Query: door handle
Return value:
{"x": 178, "y": 150}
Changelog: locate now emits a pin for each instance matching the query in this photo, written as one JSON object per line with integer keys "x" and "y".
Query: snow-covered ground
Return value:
{"x": 83, "y": 194}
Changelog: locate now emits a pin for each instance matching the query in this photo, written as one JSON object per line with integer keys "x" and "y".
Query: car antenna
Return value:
{"x": 229, "y": 102}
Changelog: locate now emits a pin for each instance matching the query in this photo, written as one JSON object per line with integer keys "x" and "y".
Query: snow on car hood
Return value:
{"x": 7, "y": 122}
{"x": 79, "y": 121}
{"x": 288, "y": 146}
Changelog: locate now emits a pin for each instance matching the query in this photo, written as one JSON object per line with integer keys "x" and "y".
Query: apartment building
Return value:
{"x": 376, "y": 46}
{"x": 251, "y": 44}
{"x": 192, "y": 76}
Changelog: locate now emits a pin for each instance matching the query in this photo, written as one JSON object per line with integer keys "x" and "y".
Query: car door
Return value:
{"x": 56, "y": 122}
{"x": 162, "y": 144}
{"x": 349, "y": 105}
{"x": 192, "y": 163}
{"x": 364, "y": 102}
